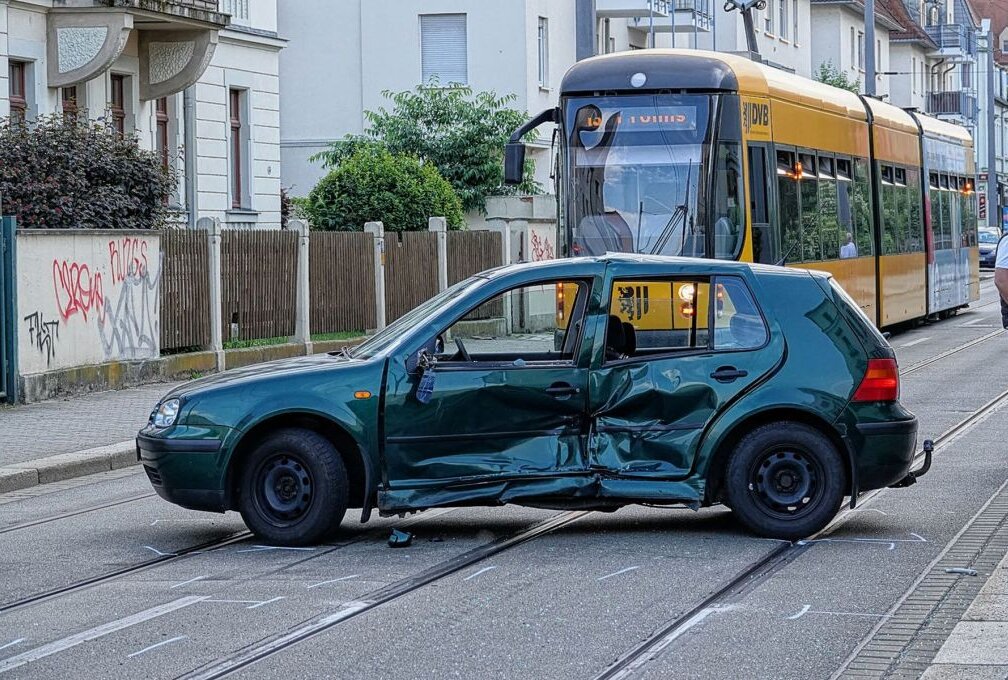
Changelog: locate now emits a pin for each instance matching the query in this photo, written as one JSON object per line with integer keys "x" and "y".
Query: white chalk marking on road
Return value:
{"x": 972, "y": 323}
{"x": 266, "y": 602}
{"x": 881, "y": 512}
{"x": 918, "y": 537}
{"x": 94, "y": 633}
{"x": 915, "y": 342}
{"x": 262, "y": 548}
{"x": 616, "y": 573}
{"x": 185, "y": 583}
{"x": 187, "y": 521}
{"x": 12, "y": 643}
{"x": 803, "y": 612}
{"x": 475, "y": 574}
{"x": 159, "y": 553}
{"x": 807, "y": 610}
{"x": 160, "y": 644}
{"x": 335, "y": 580}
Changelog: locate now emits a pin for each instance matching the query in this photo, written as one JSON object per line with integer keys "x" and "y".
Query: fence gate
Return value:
{"x": 8, "y": 363}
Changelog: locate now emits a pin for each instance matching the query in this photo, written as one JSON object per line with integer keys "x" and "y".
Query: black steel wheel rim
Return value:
{"x": 284, "y": 489}
{"x": 786, "y": 482}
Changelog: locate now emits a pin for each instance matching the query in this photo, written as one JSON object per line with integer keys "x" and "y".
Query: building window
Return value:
{"x": 161, "y": 131}
{"x": 543, "y": 52}
{"x": 967, "y": 76}
{"x": 878, "y": 55}
{"x": 860, "y": 50}
{"x": 18, "y": 90}
{"x": 768, "y": 19}
{"x": 853, "y": 44}
{"x": 69, "y": 103}
{"x": 783, "y": 18}
{"x": 237, "y": 158}
{"x": 238, "y": 9}
{"x": 794, "y": 20}
{"x": 913, "y": 74}
{"x": 117, "y": 107}
{"x": 444, "y": 48}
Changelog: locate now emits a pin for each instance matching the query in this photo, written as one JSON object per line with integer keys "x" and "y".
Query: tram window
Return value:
{"x": 933, "y": 180}
{"x": 943, "y": 181}
{"x": 845, "y": 196}
{"x": 900, "y": 177}
{"x": 916, "y": 223}
{"x": 843, "y": 168}
{"x": 904, "y": 199}
{"x": 787, "y": 198}
{"x": 934, "y": 198}
{"x": 969, "y": 219}
{"x": 829, "y": 223}
{"x": 946, "y": 219}
{"x": 825, "y": 167}
{"x": 887, "y": 174}
{"x": 808, "y": 190}
{"x": 764, "y": 235}
{"x": 728, "y": 207}
{"x": 891, "y": 232}
{"x": 864, "y": 228}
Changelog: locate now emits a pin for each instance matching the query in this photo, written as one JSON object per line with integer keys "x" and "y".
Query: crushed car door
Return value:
{"x": 675, "y": 358}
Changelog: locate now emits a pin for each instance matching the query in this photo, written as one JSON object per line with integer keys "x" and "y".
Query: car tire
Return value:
{"x": 293, "y": 488}
{"x": 785, "y": 480}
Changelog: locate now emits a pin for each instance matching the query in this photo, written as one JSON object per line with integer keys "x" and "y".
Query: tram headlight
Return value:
{"x": 687, "y": 291}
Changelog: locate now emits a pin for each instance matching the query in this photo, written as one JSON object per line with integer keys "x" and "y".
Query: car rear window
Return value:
{"x": 870, "y": 336}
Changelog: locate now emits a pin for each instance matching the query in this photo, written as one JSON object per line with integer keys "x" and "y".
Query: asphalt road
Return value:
{"x": 562, "y": 604}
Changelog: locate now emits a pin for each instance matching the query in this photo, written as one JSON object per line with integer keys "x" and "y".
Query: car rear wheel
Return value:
{"x": 293, "y": 488}
{"x": 785, "y": 480}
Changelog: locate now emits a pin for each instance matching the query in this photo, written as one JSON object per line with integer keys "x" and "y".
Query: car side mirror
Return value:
{"x": 423, "y": 358}
{"x": 514, "y": 163}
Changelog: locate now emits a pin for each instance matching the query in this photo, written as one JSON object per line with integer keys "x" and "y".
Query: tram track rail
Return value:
{"x": 914, "y": 367}
{"x": 75, "y": 513}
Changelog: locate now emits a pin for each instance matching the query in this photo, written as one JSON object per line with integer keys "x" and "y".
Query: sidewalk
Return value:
{"x": 59, "y": 429}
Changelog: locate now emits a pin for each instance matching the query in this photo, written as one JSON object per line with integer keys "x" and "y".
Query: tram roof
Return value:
{"x": 934, "y": 127}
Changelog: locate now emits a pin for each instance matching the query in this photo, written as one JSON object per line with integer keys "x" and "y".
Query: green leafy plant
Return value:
{"x": 460, "y": 132}
{"x": 831, "y": 75}
{"x": 372, "y": 184}
{"x": 64, "y": 173}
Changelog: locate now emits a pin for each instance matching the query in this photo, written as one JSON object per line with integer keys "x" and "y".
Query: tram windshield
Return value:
{"x": 638, "y": 176}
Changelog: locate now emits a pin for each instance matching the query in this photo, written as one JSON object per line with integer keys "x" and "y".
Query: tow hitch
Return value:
{"x": 912, "y": 476}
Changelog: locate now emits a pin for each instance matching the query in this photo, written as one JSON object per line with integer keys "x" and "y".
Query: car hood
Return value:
{"x": 987, "y": 248}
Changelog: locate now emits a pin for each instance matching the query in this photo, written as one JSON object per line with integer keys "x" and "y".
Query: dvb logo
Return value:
{"x": 755, "y": 114}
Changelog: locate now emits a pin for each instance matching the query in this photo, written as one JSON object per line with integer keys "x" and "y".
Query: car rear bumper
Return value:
{"x": 885, "y": 452}
{"x": 184, "y": 472}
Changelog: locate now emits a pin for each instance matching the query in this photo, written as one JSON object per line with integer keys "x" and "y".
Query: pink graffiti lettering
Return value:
{"x": 78, "y": 290}
{"x": 127, "y": 259}
{"x": 542, "y": 249}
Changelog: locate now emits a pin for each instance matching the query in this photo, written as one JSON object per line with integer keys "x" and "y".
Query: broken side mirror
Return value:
{"x": 430, "y": 349}
{"x": 514, "y": 163}
{"x": 425, "y": 387}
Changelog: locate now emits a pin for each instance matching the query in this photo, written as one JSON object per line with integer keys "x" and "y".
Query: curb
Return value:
{"x": 18, "y": 476}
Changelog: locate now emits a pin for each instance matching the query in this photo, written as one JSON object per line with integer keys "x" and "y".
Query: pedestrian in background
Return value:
{"x": 848, "y": 250}
{"x": 1001, "y": 277}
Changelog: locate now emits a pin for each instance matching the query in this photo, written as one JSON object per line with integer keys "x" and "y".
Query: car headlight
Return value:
{"x": 166, "y": 413}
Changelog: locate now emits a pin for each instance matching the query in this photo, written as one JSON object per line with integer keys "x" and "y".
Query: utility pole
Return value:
{"x": 584, "y": 33}
{"x": 993, "y": 204}
{"x": 869, "y": 31}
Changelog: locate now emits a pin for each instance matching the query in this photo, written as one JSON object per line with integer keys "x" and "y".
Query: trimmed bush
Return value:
{"x": 372, "y": 185}
{"x": 60, "y": 173}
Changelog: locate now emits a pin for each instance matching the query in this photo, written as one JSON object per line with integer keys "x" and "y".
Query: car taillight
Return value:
{"x": 880, "y": 382}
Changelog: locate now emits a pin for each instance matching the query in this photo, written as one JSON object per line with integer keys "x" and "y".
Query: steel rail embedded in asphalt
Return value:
{"x": 764, "y": 568}
{"x": 75, "y": 513}
{"x": 109, "y": 576}
{"x": 947, "y": 353}
{"x": 312, "y": 627}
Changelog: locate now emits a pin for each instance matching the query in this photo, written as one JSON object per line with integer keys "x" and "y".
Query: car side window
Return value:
{"x": 527, "y": 324}
{"x": 738, "y": 323}
{"x": 657, "y": 316}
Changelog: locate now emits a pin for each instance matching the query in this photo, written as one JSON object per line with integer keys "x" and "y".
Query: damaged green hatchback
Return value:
{"x": 587, "y": 383}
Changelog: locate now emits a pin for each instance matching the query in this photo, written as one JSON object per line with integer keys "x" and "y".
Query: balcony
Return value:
{"x": 958, "y": 105}
{"x": 630, "y": 9}
{"x": 954, "y": 41}
{"x": 684, "y": 16}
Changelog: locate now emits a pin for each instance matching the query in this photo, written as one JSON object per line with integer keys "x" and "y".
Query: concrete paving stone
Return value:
{"x": 965, "y": 672}
{"x": 976, "y": 642}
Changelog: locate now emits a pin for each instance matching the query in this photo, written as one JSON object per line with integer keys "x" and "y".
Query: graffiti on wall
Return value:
{"x": 542, "y": 244}
{"x": 43, "y": 334}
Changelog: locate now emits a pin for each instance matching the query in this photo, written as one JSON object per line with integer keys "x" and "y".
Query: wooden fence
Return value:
{"x": 470, "y": 252}
{"x": 185, "y": 290}
{"x": 411, "y": 271}
{"x": 342, "y": 281}
{"x": 259, "y": 283}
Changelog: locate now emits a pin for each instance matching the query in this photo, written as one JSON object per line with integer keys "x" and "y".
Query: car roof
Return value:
{"x": 627, "y": 263}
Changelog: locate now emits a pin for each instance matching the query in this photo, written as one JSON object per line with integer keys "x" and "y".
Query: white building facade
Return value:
{"x": 195, "y": 80}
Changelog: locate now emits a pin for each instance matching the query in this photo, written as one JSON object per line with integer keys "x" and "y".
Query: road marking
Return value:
{"x": 253, "y": 603}
{"x": 873, "y": 510}
{"x": 915, "y": 342}
{"x": 266, "y": 602}
{"x": 616, "y": 573}
{"x": 160, "y": 644}
{"x": 185, "y": 583}
{"x": 335, "y": 580}
{"x": 972, "y": 323}
{"x": 475, "y": 574}
{"x": 159, "y": 553}
{"x": 12, "y": 643}
{"x": 97, "y": 632}
{"x": 262, "y": 548}
{"x": 807, "y": 609}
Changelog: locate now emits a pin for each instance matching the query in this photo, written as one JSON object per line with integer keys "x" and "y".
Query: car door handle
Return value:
{"x": 727, "y": 374}
{"x": 562, "y": 390}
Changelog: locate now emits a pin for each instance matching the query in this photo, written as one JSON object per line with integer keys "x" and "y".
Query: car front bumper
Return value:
{"x": 186, "y": 472}
{"x": 885, "y": 452}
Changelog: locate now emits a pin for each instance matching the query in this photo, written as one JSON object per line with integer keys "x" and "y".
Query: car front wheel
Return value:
{"x": 785, "y": 480}
{"x": 293, "y": 488}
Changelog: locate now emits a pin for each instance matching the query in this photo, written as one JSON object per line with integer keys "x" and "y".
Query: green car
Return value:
{"x": 588, "y": 383}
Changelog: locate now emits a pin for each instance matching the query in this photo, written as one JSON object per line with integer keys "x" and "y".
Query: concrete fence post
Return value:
{"x": 212, "y": 226}
{"x": 302, "y": 318}
{"x": 439, "y": 226}
{"x": 377, "y": 231}
{"x": 503, "y": 227}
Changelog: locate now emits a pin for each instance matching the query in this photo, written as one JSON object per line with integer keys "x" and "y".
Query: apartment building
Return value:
{"x": 839, "y": 38}
{"x": 195, "y": 80}
{"x": 992, "y": 99}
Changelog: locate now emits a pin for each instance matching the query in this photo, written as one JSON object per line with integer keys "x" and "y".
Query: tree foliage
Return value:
{"x": 831, "y": 75}
{"x": 462, "y": 133}
{"x": 372, "y": 184}
{"x": 68, "y": 173}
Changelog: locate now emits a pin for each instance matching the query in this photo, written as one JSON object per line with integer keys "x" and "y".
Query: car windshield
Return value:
{"x": 988, "y": 237}
{"x": 384, "y": 339}
{"x": 635, "y": 164}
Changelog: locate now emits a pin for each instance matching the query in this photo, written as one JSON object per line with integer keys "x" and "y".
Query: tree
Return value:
{"x": 831, "y": 75}
{"x": 372, "y": 184}
{"x": 68, "y": 173}
{"x": 461, "y": 133}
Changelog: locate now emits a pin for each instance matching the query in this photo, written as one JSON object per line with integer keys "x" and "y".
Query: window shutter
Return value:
{"x": 443, "y": 48}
